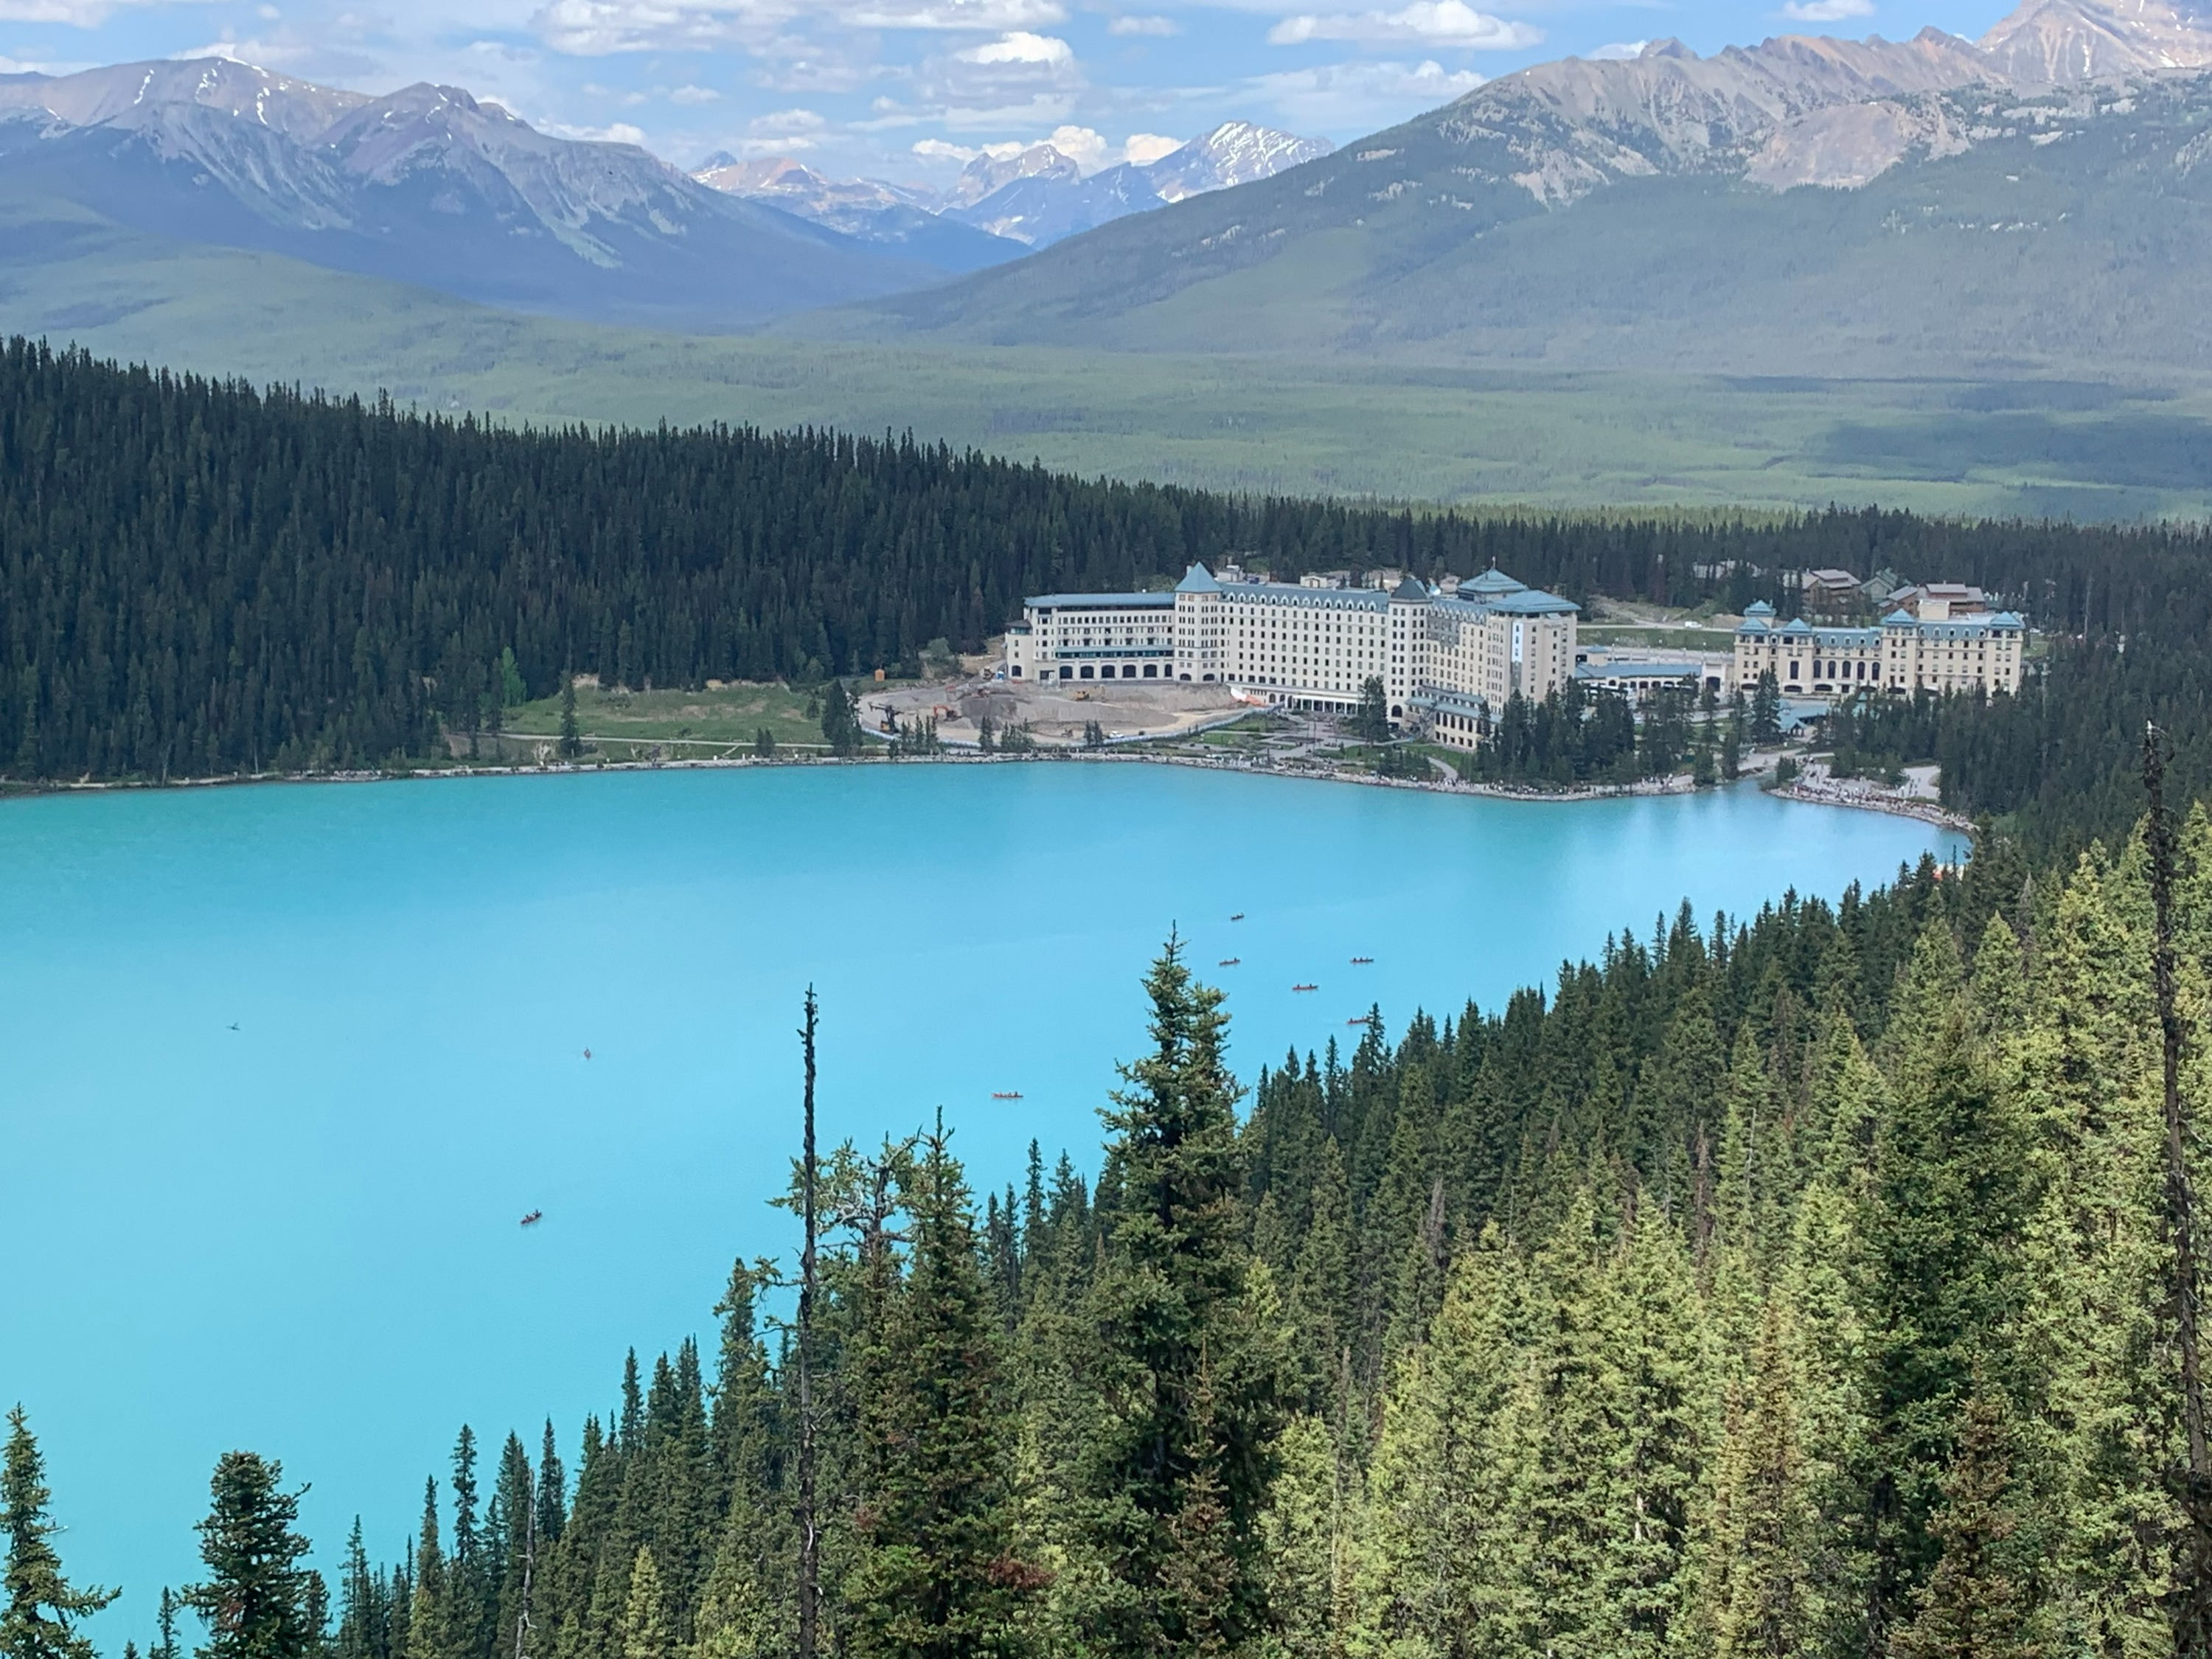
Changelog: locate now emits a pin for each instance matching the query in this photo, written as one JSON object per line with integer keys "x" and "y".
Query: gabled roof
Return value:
{"x": 1759, "y": 608}
{"x": 1198, "y": 580}
{"x": 1899, "y": 617}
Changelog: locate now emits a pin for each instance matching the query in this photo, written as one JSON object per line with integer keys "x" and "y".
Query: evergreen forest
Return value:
{"x": 199, "y": 578}
{"x": 1816, "y": 1283}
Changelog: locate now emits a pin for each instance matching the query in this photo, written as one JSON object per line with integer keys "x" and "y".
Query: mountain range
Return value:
{"x": 428, "y": 185}
{"x": 2034, "y": 202}
{"x": 1032, "y": 198}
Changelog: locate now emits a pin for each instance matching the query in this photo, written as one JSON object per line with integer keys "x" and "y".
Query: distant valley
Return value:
{"x": 1962, "y": 275}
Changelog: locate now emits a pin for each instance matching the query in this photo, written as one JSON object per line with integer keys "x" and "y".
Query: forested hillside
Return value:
{"x": 199, "y": 578}
{"x": 1790, "y": 1286}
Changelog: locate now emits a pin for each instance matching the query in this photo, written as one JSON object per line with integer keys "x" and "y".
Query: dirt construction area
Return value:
{"x": 1055, "y": 715}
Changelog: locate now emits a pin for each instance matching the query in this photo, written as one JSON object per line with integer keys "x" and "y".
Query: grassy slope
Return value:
{"x": 1441, "y": 433}
{"x": 699, "y": 724}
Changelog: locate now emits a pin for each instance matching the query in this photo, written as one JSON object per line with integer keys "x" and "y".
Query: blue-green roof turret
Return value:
{"x": 1492, "y": 584}
{"x": 1198, "y": 580}
{"x": 1410, "y": 589}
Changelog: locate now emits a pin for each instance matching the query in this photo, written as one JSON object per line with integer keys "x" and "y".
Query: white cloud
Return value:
{"x": 695, "y": 96}
{"x": 943, "y": 14}
{"x": 1089, "y": 149}
{"x": 1085, "y": 146}
{"x": 786, "y": 124}
{"x": 260, "y": 54}
{"x": 619, "y": 132}
{"x": 1619, "y": 51}
{"x": 1159, "y": 26}
{"x": 781, "y": 132}
{"x": 1359, "y": 96}
{"x": 596, "y": 28}
{"x": 77, "y": 14}
{"x": 1021, "y": 48}
{"x": 1430, "y": 22}
{"x": 1828, "y": 11}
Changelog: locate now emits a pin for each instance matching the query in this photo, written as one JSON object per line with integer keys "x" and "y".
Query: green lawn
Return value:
{"x": 688, "y": 724}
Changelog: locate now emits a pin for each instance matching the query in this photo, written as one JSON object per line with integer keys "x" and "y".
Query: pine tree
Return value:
{"x": 364, "y": 1615}
{"x": 165, "y": 1644}
{"x": 257, "y": 1598}
{"x": 572, "y": 736}
{"x": 644, "y": 1630}
{"x": 470, "y": 1592}
{"x": 1661, "y": 1410}
{"x": 1371, "y": 722}
{"x": 1943, "y": 1223}
{"x": 840, "y": 725}
{"x": 1444, "y": 1559}
{"x": 936, "y": 1577}
{"x": 1766, "y": 709}
{"x": 430, "y": 1622}
{"x": 1974, "y": 1605}
{"x": 1766, "y": 1603}
{"x": 42, "y": 1607}
{"x": 1321, "y": 1293}
{"x": 1185, "y": 1366}
{"x": 1304, "y": 1536}
{"x": 1572, "y": 1502}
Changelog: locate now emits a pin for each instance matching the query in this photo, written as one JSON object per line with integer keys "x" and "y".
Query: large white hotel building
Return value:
{"x": 1940, "y": 638}
{"x": 1447, "y": 656}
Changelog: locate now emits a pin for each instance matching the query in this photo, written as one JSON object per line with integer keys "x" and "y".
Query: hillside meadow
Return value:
{"x": 1269, "y": 423}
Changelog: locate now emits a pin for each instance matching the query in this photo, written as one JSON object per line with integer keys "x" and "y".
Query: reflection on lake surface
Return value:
{"x": 286, "y": 1065}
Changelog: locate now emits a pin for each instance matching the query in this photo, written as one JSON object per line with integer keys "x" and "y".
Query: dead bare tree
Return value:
{"x": 809, "y": 1543}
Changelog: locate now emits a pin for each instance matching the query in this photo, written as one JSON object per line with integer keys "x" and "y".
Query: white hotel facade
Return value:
{"x": 1941, "y": 642}
{"x": 1447, "y": 656}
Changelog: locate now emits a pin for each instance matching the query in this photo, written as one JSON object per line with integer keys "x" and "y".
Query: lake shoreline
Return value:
{"x": 1678, "y": 784}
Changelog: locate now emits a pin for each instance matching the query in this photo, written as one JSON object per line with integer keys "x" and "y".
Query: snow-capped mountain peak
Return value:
{"x": 1234, "y": 153}
{"x": 989, "y": 173}
{"x": 1032, "y": 196}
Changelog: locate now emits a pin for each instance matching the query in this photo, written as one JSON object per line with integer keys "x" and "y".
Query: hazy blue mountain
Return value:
{"x": 1805, "y": 205}
{"x": 891, "y": 216}
{"x": 427, "y": 185}
{"x": 1041, "y": 197}
{"x": 1001, "y": 206}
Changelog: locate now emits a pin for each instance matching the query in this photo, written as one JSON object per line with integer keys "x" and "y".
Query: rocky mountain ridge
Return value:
{"x": 1032, "y": 198}
{"x": 1596, "y": 214}
{"x": 429, "y": 184}
{"x": 889, "y": 215}
{"x": 1773, "y": 112}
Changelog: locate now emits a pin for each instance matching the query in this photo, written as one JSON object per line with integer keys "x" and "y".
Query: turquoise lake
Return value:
{"x": 284, "y": 1066}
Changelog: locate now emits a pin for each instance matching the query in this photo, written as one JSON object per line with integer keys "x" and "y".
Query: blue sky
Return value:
{"x": 906, "y": 88}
